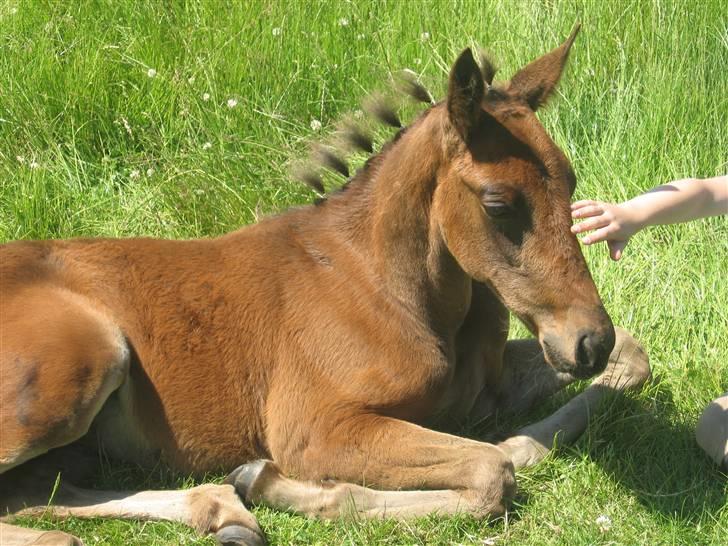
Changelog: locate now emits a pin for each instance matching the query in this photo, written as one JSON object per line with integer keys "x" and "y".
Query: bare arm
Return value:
{"x": 678, "y": 201}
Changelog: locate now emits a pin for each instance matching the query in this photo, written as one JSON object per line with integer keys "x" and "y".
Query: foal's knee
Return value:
{"x": 493, "y": 483}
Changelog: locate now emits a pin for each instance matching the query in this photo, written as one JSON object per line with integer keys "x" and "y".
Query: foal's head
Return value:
{"x": 502, "y": 207}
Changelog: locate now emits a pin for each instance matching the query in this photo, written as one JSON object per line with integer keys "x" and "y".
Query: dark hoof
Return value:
{"x": 244, "y": 478}
{"x": 236, "y": 535}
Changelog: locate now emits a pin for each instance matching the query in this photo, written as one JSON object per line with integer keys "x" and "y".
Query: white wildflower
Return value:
{"x": 232, "y": 103}
{"x": 277, "y": 31}
{"x": 151, "y": 73}
{"x": 315, "y": 125}
{"x": 417, "y": 61}
{"x": 358, "y": 114}
{"x": 604, "y": 523}
{"x": 126, "y": 125}
{"x": 33, "y": 164}
{"x": 191, "y": 80}
{"x": 344, "y": 22}
{"x": 134, "y": 174}
{"x": 20, "y": 158}
{"x": 150, "y": 172}
{"x": 200, "y": 191}
{"x": 206, "y": 97}
{"x": 207, "y": 145}
{"x": 425, "y": 36}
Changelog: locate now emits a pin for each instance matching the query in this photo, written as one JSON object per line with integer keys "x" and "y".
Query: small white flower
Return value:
{"x": 417, "y": 61}
{"x": 20, "y": 158}
{"x": 207, "y": 145}
{"x": 315, "y": 125}
{"x": 277, "y": 31}
{"x": 191, "y": 80}
{"x": 206, "y": 96}
{"x": 425, "y": 36}
{"x": 200, "y": 191}
{"x": 604, "y": 523}
{"x": 344, "y": 22}
{"x": 151, "y": 72}
{"x": 232, "y": 103}
{"x": 150, "y": 172}
{"x": 134, "y": 174}
{"x": 126, "y": 125}
{"x": 33, "y": 165}
{"x": 358, "y": 114}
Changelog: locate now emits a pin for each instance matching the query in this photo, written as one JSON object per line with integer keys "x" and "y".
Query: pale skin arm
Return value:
{"x": 671, "y": 203}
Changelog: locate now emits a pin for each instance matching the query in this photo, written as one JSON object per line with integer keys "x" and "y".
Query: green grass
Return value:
{"x": 90, "y": 144}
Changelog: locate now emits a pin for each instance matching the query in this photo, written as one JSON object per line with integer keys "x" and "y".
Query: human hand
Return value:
{"x": 612, "y": 223}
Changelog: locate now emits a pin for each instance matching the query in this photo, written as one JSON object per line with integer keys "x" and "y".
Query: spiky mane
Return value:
{"x": 355, "y": 136}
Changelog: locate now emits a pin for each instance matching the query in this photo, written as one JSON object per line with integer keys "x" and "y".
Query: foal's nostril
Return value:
{"x": 587, "y": 350}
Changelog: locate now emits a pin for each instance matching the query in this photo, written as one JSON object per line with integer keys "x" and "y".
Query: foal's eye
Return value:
{"x": 498, "y": 211}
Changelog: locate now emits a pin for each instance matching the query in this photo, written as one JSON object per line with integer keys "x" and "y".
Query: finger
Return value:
{"x": 588, "y": 211}
{"x": 592, "y": 223}
{"x": 582, "y": 203}
{"x": 616, "y": 249}
{"x": 597, "y": 237}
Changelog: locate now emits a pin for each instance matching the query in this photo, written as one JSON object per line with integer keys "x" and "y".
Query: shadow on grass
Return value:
{"x": 637, "y": 442}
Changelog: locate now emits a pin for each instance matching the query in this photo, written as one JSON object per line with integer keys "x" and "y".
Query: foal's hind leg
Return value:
{"x": 208, "y": 508}
{"x": 628, "y": 368}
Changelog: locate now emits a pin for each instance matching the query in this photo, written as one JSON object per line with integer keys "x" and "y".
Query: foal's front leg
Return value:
{"x": 415, "y": 471}
{"x": 628, "y": 368}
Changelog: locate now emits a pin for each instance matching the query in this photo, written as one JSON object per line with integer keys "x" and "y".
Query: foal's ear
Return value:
{"x": 537, "y": 81}
{"x": 465, "y": 93}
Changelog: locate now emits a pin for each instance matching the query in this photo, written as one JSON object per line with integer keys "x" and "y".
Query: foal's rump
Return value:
{"x": 60, "y": 359}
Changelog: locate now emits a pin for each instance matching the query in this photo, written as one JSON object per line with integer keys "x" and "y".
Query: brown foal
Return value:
{"x": 317, "y": 342}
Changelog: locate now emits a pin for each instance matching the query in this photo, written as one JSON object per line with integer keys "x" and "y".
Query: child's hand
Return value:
{"x": 612, "y": 224}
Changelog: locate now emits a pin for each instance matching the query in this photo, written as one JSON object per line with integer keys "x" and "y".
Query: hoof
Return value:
{"x": 248, "y": 479}
{"x": 236, "y": 535}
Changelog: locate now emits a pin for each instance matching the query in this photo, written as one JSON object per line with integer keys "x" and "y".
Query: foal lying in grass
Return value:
{"x": 319, "y": 341}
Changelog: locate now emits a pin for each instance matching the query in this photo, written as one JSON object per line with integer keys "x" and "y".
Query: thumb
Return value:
{"x": 616, "y": 248}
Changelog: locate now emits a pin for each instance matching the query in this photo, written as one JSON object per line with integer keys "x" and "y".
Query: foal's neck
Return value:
{"x": 387, "y": 215}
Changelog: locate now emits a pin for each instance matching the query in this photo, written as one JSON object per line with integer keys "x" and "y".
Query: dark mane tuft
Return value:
{"x": 329, "y": 159}
{"x": 356, "y": 137}
{"x": 487, "y": 67}
{"x": 309, "y": 176}
{"x": 409, "y": 84}
{"x": 382, "y": 109}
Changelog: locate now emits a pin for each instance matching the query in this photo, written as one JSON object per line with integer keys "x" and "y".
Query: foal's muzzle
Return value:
{"x": 583, "y": 354}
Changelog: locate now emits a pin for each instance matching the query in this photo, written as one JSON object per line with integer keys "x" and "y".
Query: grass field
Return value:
{"x": 180, "y": 119}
